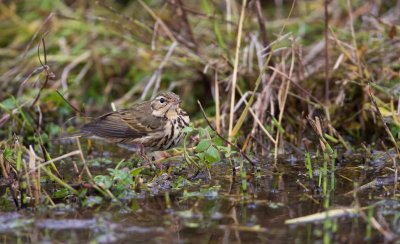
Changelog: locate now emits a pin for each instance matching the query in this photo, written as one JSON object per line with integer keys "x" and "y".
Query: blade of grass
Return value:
{"x": 156, "y": 18}
{"x": 240, "y": 121}
{"x": 217, "y": 105}
{"x": 258, "y": 121}
{"x": 59, "y": 181}
{"x": 235, "y": 70}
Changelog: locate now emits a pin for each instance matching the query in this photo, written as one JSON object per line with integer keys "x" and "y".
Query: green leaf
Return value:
{"x": 203, "y": 145}
{"x": 212, "y": 155}
{"x": 61, "y": 193}
{"x": 217, "y": 141}
{"x": 52, "y": 129}
{"x": 205, "y": 5}
{"x": 83, "y": 193}
{"x": 218, "y": 34}
{"x": 119, "y": 174}
{"x": 136, "y": 172}
{"x": 279, "y": 126}
{"x": 331, "y": 138}
{"x": 202, "y": 132}
{"x": 8, "y": 153}
{"x": 7, "y": 104}
{"x": 103, "y": 181}
{"x": 226, "y": 150}
{"x": 201, "y": 156}
{"x": 188, "y": 129}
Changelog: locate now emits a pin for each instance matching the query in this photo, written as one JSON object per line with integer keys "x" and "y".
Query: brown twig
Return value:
{"x": 22, "y": 57}
{"x": 72, "y": 106}
{"x": 181, "y": 12}
{"x": 393, "y": 159}
{"x": 225, "y": 140}
{"x": 6, "y": 180}
{"x": 45, "y": 67}
{"x": 317, "y": 128}
{"x": 261, "y": 23}
{"x": 383, "y": 121}
{"x": 297, "y": 85}
{"x": 326, "y": 29}
{"x": 389, "y": 133}
{"x": 263, "y": 28}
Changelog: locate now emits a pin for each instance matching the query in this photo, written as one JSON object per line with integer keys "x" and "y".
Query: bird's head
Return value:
{"x": 165, "y": 103}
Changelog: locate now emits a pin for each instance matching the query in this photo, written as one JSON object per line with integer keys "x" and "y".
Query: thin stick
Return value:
{"x": 69, "y": 104}
{"x": 43, "y": 25}
{"x": 54, "y": 160}
{"x": 285, "y": 86}
{"x": 394, "y": 167}
{"x": 83, "y": 159}
{"x": 392, "y": 139}
{"x": 263, "y": 29}
{"x": 353, "y": 35}
{"x": 181, "y": 11}
{"x": 225, "y": 140}
{"x": 326, "y": 2}
{"x": 168, "y": 32}
{"x": 49, "y": 75}
{"x": 332, "y": 213}
{"x": 235, "y": 70}
{"x": 35, "y": 180}
{"x": 217, "y": 108}
{"x": 297, "y": 85}
{"x": 256, "y": 119}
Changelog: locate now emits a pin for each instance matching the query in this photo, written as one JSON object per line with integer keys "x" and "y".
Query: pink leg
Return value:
{"x": 142, "y": 153}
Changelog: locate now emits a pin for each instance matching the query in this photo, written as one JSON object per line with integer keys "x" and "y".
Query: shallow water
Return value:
{"x": 218, "y": 211}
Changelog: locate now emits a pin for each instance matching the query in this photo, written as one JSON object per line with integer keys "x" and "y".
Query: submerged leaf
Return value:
{"x": 93, "y": 200}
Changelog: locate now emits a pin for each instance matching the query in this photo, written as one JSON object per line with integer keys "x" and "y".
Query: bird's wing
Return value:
{"x": 131, "y": 123}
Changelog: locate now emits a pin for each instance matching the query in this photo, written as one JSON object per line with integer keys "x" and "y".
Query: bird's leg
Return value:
{"x": 150, "y": 161}
{"x": 142, "y": 153}
{"x": 141, "y": 149}
{"x": 158, "y": 158}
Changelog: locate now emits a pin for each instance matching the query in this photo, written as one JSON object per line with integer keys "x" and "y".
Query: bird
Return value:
{"x": 149, "y": 126}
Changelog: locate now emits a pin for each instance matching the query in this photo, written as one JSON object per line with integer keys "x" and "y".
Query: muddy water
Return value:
{"x": 218, "y": 211}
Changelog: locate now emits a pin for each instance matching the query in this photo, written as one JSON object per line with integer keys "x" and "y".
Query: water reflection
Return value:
{"x": 216, "y": 213}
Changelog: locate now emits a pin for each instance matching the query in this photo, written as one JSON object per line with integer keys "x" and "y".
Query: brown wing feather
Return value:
{"x": 131, "y": 123}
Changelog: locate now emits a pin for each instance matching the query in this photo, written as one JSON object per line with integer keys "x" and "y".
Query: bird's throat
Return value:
{"x": 170, "y": 112}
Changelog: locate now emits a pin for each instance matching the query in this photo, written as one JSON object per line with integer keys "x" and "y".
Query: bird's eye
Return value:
{"x": 162, "y": 100}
